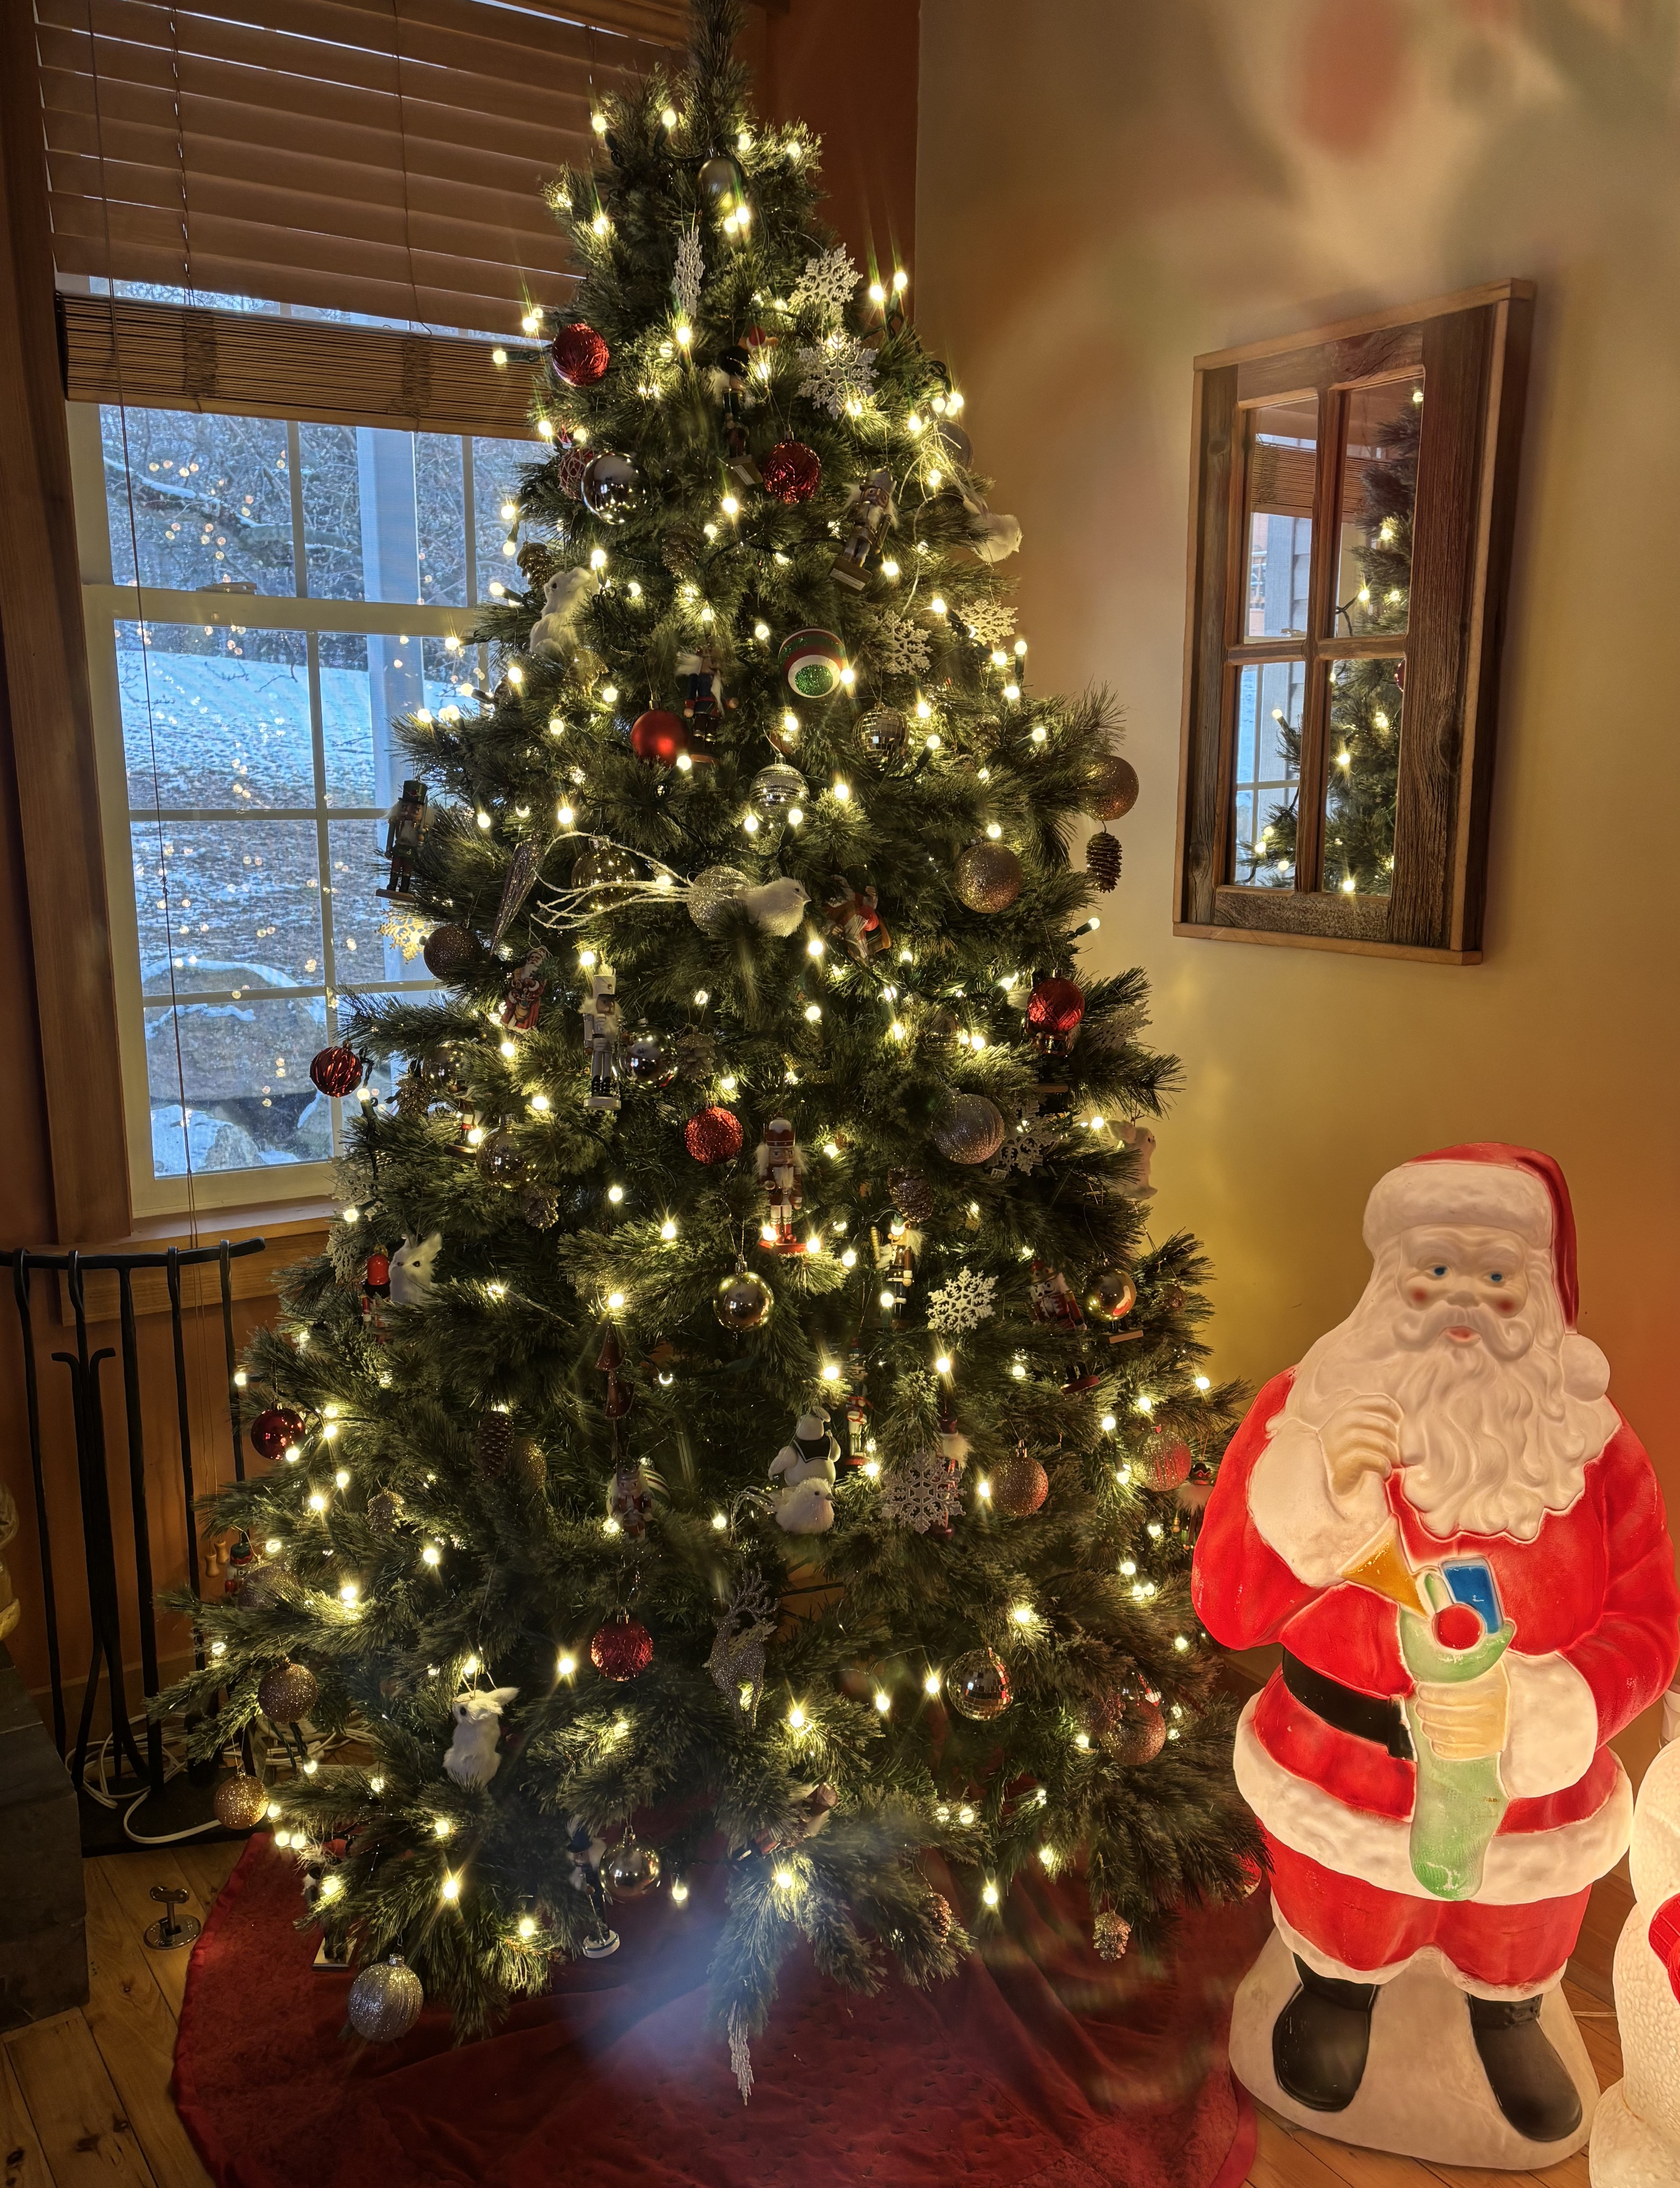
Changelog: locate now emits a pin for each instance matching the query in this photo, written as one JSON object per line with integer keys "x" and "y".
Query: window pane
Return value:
{"x": 1379, "y": 492}
{"x": 1268, "y": 753}
{"x": 365, "y": 682}
{"x": 1362, "y": 773}
{"x": 441, "y": 517}
{"x": 365, "y": 955}
{"x": 244, "y": 1069}
{"x": 226, "y": 905}
{"x": 196, "y": 501}
{"x": 215, "y": 719}
{"x": 496, "y": 469}
{"x": 1282, "y": 457}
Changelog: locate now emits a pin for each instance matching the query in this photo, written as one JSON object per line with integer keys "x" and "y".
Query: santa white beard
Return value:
{"x": 1498, "y": 1432}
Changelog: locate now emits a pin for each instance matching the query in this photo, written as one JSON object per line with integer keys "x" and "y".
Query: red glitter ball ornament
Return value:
{"x": 1056, "y": 1007}
{"x": 276, "y": 1429}
{"x": 714, "y": 1135}
{"x": 1166, "y": 1467}
{"x": 336, "y": 1071}
{"x": 577, "y": 356}
{"x": 791, "y": 472}
{"x": 570, "y": 465}
{"x": 622, "y": 1650}
{"x": 659, "y": 736}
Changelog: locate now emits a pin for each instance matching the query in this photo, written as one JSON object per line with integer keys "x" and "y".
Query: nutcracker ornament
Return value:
{"x": 1460, "y": 1547}
{"x": 631, "y": 1501}
{"x": 731, "y": 391}
{"x": 700, "y": 679}
{"x": 869, "y": 512}
{"x": 805, "y": 1468}
{"x": 895, "y": 1263}
{"x": 523, "y": 1000}
{"x": 376, "y": 1284}
{"x": 405, "y": 827}
{"x": 853, "y": 919}
{"x": 603, "y": 1037}
{"x": 1051, "y": 1301}
{"x": 780, "y": 1169}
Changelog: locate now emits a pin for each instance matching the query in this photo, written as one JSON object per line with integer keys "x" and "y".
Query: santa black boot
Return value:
{"x": 1530, "y": 2084}
{"x": 1319, "y": 2040}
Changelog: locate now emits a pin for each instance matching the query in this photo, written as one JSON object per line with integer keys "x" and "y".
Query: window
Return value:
{"x": 1352, "y": 494}
{"x": 262, "y": 597}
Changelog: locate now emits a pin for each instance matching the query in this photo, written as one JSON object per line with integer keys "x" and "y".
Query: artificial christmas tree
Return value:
{"x": 733, "y": 1473}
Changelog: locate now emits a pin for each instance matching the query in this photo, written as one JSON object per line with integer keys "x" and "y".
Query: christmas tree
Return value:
{"x": 738, "y": 1437}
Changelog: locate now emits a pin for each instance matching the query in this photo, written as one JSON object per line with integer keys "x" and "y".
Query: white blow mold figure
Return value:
{"x": 1636, "y": 2131}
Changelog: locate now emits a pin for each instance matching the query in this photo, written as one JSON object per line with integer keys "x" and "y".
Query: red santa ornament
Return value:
{"x": 1460, "y": 1547}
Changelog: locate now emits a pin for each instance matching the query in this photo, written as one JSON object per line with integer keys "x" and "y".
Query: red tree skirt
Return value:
{"x": 1042, "y": 2068}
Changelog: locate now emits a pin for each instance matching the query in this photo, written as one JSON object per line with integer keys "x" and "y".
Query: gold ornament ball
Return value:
{"x": 1128, "y": 1723}
{"x": 977, "y": 1685}
{"x": 385, "y": 2000}
{"x": 1111, "y": 1296}
{"x": 1019, "y": 1486}
{"x": 632, "y": 1872}
{"x": 971, "y": 1131}
{"x": 501, "y": 1160}
{"x": 988, "y": 877}
{"x": 1114, "y": 787}
{"x": 288, "y": 1693}
{"x": 741, "y": 1300}
{"x": 240, "y": 1802}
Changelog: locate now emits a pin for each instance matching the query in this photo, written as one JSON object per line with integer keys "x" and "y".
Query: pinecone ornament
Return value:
{"x": 539, "y": 1207}
{"x": 1111, "y": 1934}
{"x": 495, "y": 1445}
{"x": 1103, "y": 860}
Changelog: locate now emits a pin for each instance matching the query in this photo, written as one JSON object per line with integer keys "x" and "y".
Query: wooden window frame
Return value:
{"x": 1473, "y": 348}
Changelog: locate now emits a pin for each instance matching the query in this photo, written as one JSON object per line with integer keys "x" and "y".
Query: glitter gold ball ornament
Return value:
{"x": 336, "y": 1071}
{"x": 911, "y": 1194}
{"x": 971, "y": 1131}
{"x": 1019, "y": 1486}
{"x": 385, "y": 2000}
{"x": 631, "y": 1871}
{"x": 776, "y": 788}
{"x": 579, "y": 356}
{"x": 1128, "y": 1723}
{"x": 711, "y": 892}
{"x": 287, "y": 1694}
{"x": 1055, "y": 1008}
{"x": 451, "y": 951}
{"x": 988, "y": 877}
{"x": 612, "y": 487}
{"x": 714, "y": 1134}
{"x": 791, "y": 472}
{"x": 723, "y": 185}
{"x": 1111, "y": 1934}
{"x": 883, "y": 732}
{"x": 741, "y": 1300}
{"x": 1114, "y": 787}
{"x": 1111, "y": 1296}
{"x": 276, "y": 1429}
{"x": 1166, "y": 1465}
{"x": 977, "y": 1685}
{"x": 622, "y": 1650}
{"x": 812, "y": 661}
{"x": 659, "y": 737}
{"x": 240, "y": 1802}
{"x": 1103, "y": 861}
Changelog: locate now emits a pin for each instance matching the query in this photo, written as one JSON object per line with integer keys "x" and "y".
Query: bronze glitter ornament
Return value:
{"x": 1128, "y": 1723}
{"x": 452, "y": 952}
{"x": 1112, "y": 1297}
{"x": 1019, "y": 1486}
{"x": 977, "y": 1685}
{"x": 631, "y": 1871}
{"x": 1111, "y": 1934}
{"x": 240, "y": 1802}
{"x": 287, "y": 1694}
{"x": 971, "y": 1131}
{"x": 911, "y": 1194}
{"x": 988, "y": 877}
{"x": 385, "y": 2000}
{"x": 741, "y": 1300}
{"x": 1114, "y": 787}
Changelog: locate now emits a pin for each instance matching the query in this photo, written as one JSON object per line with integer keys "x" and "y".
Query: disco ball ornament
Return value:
{"x": 791, "y": 472}
{"x": 741, "y": 1300}
{"x": 971, "y": 1131}
{"x": 988, "y": 877}
{"x": 569, "y": 467}
{"x": 336, "y": 1071}
{"x": 648, "y": 1059}
{"x": 710, "y": 894}
{"x": 723, "y": 186}
{"x": 1055, "y": 1008}
{"x": 715, "y": 1135}
{"x": 240, "y": 1802}
{"x": 451, "y": 951}
{"x": 631, "y": 1872}
{"x": 385, "y": 2000}
{"x": 1114, "y": 787}
{"x": 812, "y": 661}
{"x": 1128, "y": 1722}
{"x": 1111, "y": 1296}
{"x": 977, "y": 1685}
{"x": 911, "y": 1194}
{"x": 622, "y": 1650}
{"x": 612, "y": 487}
{"x": 776, "y": 788}
{"x": 658, "y": 736}
{"x": 579, "y": 356}
{"x": 287, "y": 1694}
{"x": 1019, "y": 1486}
{"x": 275, "y": 1430}
{"x": 883, "y": 732}
{"x": 501, "y": 1159}
{"x": 604, "y": 865}
{"x": 1167, "y": 1466}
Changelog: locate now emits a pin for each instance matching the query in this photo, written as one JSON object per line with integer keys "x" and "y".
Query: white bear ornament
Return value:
{"x": 472, "y": 1759}
{"x": 1636, "y": 2131}
{"x": 555, "y": 633}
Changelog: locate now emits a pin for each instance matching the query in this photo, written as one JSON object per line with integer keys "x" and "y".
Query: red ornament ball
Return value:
{"x": 570, "y": 465}
{"x": 1458, "y": 1627}
{"x": 791, "y": 472}
{"x": 659, "y": 736}
{"x": 622, "y": 1650}
{"x": 1167, "y": 1467}
{"x": 714, "y": 1134}
{"x": 336, "y": 1071}
{"x": 1056, "y": 1007}
{"x": 577, "y": 356}
{"x": 276, "y": 1429}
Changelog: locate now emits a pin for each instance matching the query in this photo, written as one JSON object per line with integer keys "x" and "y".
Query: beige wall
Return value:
{"x": 1107, "y": 187}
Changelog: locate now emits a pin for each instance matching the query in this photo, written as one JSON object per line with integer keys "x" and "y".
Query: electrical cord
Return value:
{"x": 96, "y": 1782}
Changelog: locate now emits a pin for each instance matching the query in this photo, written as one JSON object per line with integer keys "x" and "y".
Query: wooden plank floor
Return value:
{"x": 84, "y": 2098}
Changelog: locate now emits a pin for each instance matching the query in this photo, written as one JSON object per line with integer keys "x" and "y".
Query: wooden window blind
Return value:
{"x": 377, "y": 157}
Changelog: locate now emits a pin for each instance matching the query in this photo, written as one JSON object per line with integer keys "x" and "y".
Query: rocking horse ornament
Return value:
{"x": 1462, "y": 1547}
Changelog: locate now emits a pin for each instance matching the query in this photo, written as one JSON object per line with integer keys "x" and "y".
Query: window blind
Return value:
{"x": 378, "y": 156}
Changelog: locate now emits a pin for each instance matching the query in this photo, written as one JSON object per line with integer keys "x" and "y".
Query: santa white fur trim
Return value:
{"x": 1521, "y": 1865}
{"x": 1553, "y": 1732}
{"x": 1491, "y": 1195}
{"x": 1317, "y": 1534}
{"x": 1339, "y": 1971}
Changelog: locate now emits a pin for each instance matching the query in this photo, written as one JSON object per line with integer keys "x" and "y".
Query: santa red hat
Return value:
{"x": 1488, "y": 1184}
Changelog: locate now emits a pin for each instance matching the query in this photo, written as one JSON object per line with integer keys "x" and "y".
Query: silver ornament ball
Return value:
{"x": 632, "y": 1872}
{"x": 776, "y": 788}
{"x": 710, "y": 894}
{"x": 971, "y": 1131}
{"x": 385, "y": 2000}
{"x": 612, "y": 487}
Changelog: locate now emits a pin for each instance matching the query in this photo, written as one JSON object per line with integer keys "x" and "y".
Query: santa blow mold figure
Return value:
{"x": 1635, "y": 2131}
{"x": 1461, "y": 1546}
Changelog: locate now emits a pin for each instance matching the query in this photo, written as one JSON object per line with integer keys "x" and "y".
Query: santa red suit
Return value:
{"x": 1456, "y": 1418}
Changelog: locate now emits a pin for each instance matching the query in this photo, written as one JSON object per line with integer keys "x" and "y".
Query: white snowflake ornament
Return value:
{"x": 921, "y": 1491}
{"x": 826, "y": 286}
{"x": 1031, "y": 1143}
{"x": 988, "y": 623}
{"x": 899, "y": 648}
{"x": 690, "y": 272}
{"x": 838, "y": 371}
{"x": 962, "y": 1303}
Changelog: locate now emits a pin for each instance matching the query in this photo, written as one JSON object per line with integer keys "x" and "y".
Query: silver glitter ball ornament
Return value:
{"x": 385, "y": 2000}
{"x": 612, "y": 487}
{"x": 971, "y": 1131}
{"x": 776, "y": 787}
{"x": 711, "y": 892}
{"x": 988, "y": 877}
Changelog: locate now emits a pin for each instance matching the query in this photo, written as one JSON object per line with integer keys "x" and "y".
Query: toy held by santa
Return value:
{"x": 1461, "y": 1548}
{"x": 780, "y": 1169}
{"x": 805, "y": 1468}
{"x": 854, "y": 918}
{"x": 521, "y": 1006}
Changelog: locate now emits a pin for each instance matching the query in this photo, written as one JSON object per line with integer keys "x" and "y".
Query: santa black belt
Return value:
{"x": 1366, "y": 1716}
